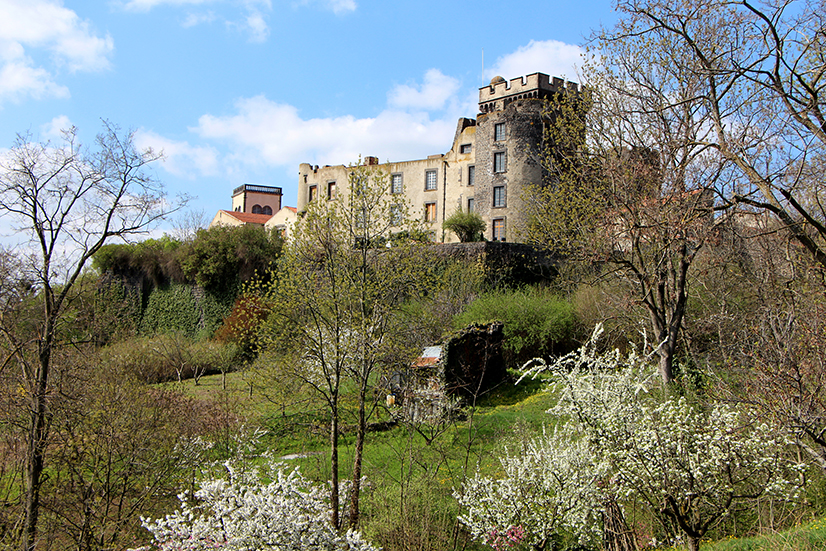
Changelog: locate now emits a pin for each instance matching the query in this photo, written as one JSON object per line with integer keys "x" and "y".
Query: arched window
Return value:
{"x": 256, "y": 209}
{"x": 267, "y": 210}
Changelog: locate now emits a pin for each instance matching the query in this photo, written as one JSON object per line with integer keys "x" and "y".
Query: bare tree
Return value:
{"x": 186, "y": 225}
{"x": 758, "y": 69}
{"x": 65, "y": 202}
{"x": 631, "y": 184}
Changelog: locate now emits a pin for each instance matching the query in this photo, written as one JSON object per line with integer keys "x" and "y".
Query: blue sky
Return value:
{"x": 242, "y": 91}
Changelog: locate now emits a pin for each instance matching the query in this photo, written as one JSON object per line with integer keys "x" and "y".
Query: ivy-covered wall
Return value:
{"x": 134, "y": 305}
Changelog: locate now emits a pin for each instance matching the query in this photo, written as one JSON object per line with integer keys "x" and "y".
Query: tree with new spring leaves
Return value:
{"x": 691, "y": 465}
{"x": 631, "y": 184}
{"x": 65, "y": 202}
{"x": 337, "y": 304}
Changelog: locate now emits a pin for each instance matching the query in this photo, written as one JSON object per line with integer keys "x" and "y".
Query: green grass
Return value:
{"x": 446, "y": 453}
{"x": 805, "y": 537}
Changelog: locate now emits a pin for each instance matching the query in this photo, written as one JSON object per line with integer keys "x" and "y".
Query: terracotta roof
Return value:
{"x": 295, "y": 210}
{"x": 248, "y": 217}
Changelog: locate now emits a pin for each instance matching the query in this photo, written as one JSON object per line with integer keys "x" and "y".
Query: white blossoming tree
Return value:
{"x": 549, "y": 488}
{"x": 242, "y": 513}
{"x": 692, "y": 465}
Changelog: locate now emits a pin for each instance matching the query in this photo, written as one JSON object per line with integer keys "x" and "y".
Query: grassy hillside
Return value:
{"x": 412, "y": 471}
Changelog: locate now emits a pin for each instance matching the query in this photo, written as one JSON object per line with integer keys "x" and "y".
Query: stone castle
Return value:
{"x": 491, "y": 159}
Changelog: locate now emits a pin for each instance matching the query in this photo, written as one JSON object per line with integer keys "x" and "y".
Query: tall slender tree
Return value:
{"x": 337, "y": 304}
{"x": 65, "y": 202}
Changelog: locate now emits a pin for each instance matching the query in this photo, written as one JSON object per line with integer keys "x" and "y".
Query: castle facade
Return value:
{"x": 491, "y": 160}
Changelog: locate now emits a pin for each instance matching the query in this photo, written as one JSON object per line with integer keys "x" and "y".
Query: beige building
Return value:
{"x": 490, "y": 161}
{"x": 257, "y": 205}
{"x": 283, "y": 221}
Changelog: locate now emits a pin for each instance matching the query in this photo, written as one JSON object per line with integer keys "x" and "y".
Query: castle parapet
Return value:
{"x": 500, "y": 93}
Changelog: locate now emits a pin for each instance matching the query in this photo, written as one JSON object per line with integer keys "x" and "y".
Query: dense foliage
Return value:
{"x": 162, "y": 285}
{"x": 537, "y": 322}
{"x": 217, "y": 258}
{"x": 222, "y": 256}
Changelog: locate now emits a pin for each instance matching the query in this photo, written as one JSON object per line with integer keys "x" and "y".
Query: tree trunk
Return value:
{"x": 334, "y": 465}
{"x": 615, "y": 533}
{"x": 355, "y": 491}
{"x": 693, "y": 543}
{"x": 36, "y": 444}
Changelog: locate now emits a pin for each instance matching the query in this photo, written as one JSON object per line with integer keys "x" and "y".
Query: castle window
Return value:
{"x": 396, "y": 183}
{"x": 331, "y": 190}
{"x": 313, "y": 193}
{"x": 498, "y": 196}
{"x": 499, "y": 132}
{"x": 499, "y": 162}
{"x": 430, "y": 180}
{"x": 464, "y": 148}
{"x": 430, "y": 212}
{"x": 396, "y": 215}
{"x": 256, "y": 209}
{"x": 267, "y": 210}
{"x": 498, "y": 229}
{"x": 470, "y": 204}
{"x": 471, "y": 175}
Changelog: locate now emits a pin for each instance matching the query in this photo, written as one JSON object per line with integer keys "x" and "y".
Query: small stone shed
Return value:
{"x": 464, "y": 367}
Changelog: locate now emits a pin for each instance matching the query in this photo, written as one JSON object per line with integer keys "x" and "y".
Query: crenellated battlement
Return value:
{"x": 499, "y": 93}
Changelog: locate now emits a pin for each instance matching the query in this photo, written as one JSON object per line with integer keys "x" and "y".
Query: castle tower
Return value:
{"x": 255, "y": 199}
{"x": 509, "y": 141}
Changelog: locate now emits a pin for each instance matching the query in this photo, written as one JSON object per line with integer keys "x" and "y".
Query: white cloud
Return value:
{"x": 341, "y": 6}
{"x": 549, "y": 56}
{"x": 146, "y": 5}
{"x": 336, "y": 6}
{"x": 252, "y": 24}
{"x": 255, "y": 25}
{"x": 53, "y": 130}
{"x": 193, "y": 19}
{"x": 27, "y": 25}
{"x": 257, "y": 28}
{"x": 18, "y": 79}
{"x": 270, "y": 133}
{"x": 437, "y": 89}
{"x": 47, "y": 24}
{"x": 180, "y": 158}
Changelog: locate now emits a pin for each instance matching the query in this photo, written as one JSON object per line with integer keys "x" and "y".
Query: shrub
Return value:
{"x": 223, "y": 256}
{"x": 537, "y": 323}
{"x": 468, "y": 226}
{"x": 155, "y": 259}
{"x": 169, "y": 357}
{"x": 241, "y": 326}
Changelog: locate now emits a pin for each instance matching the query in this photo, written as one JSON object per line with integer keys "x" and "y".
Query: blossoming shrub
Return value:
{"x": 242, "y": 513}
{"x": 625, "y": 439}
{"x": 549, "y": 491}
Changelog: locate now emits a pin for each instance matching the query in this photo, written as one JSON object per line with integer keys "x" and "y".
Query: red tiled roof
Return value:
{"x": 248, "y": 217}
{"x": 295, "y": 210}
{"x": 425, "y": 362}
